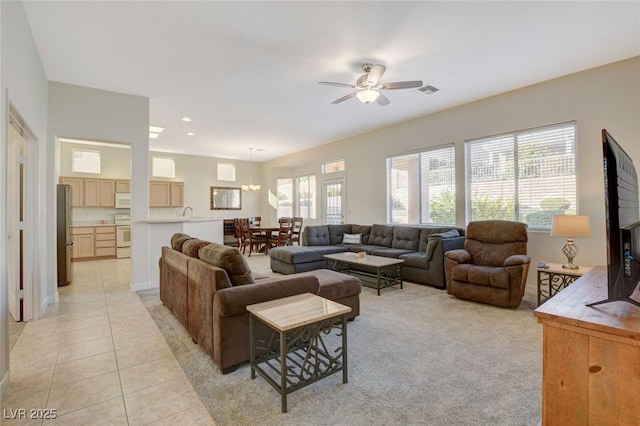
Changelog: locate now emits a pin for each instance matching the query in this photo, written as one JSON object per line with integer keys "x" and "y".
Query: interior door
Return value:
{"x": 15, "y": 212}
{"x": 333, "y": 202}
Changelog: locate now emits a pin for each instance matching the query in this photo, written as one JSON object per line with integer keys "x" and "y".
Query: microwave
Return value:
{"x": 123, "y": 200}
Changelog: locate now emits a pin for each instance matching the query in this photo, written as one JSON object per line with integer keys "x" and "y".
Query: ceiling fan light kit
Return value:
{"x": 368, "y": 86}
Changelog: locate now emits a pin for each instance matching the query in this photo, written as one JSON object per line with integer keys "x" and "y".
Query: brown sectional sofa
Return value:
{"x": 421, "y": 247}
{"x": 208, "y": 286}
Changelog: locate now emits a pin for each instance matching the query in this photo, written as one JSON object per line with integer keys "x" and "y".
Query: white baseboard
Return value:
{"x": 145, "y": 286}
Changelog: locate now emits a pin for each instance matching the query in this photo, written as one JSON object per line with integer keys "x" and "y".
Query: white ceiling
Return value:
{"x": 247, "y": 72}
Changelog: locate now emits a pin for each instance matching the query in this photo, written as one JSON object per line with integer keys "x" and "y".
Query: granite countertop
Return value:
{"x": 180, "y": 219}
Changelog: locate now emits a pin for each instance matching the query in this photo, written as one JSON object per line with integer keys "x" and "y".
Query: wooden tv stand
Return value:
{"x": 591, "y": 356}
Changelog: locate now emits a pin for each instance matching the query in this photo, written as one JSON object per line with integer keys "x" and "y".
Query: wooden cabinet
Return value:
{"x": 105, "y": 241}
{"x": 90, "y": 242}
{"x": 591, "y": 356}
{"x": 93, "y": 192}
{"x": 123, "y": 186}
{"x": 77, "y": 193}
{"x": 83, "y": 242}
{"x": 166, "y": 194}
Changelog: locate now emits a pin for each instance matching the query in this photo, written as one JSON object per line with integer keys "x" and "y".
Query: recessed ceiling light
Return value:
{"x": 191, "y": 134}
{"x": 153, "y": 135}
{"x": 186, "y": 119}
{"x": 156, "y": 129}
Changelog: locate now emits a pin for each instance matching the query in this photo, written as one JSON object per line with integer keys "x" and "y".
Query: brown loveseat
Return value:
{"x": 492, "y": 268}
{"x": 208, "y": 286}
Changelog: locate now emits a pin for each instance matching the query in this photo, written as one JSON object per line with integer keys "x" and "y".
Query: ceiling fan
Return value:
{"x": 368, "y": 86}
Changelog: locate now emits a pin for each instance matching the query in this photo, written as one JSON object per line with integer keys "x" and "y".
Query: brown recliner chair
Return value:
{"x": 492, "y": 268}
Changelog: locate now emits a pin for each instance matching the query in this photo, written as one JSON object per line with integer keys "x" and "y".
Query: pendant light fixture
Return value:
{"x": 251, "y": 187}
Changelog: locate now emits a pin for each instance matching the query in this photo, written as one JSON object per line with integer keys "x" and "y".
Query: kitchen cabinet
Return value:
{"x": 94, "y": 192}
{"x": 77, "y": 193}
{"x": 123, "y": 186}
{"x": 83, "y": 242}
{"x": 166, "y": 194}
{"x": 99, "y": 192}
{"x": 91, "y": 242}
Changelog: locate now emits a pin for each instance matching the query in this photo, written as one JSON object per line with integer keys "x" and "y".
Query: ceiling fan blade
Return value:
{"x": 344, "y": 98}
{"x": 375, "y": 75}
{"x": 401, "y": 85}
{"x": 383, "y": 100}
{"x": 329, "y": 83}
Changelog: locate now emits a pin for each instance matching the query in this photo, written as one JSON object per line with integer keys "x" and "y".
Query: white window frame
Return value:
{"x": 85, "y": 165}
{"x": 333, "y": 166}
{"x": 415, "y": 190}
{"x": 281, "y": 210}
{"x": 157, "y": 167}
{"x": 533, "y": 172}
{"x": 308, "y": 211}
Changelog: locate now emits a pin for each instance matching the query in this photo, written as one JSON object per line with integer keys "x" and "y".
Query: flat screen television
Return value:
{"x": 622, "y": 214}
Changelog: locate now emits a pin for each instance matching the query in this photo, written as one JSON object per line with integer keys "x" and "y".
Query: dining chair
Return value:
{"x": 297, "y": 229}
{"x": 283, "y": 235}
{"x": 238, "y": 233}
{"x": 252, "y": 239}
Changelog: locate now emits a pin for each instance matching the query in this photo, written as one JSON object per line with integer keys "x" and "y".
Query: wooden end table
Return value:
{"x": 297, "y": 353}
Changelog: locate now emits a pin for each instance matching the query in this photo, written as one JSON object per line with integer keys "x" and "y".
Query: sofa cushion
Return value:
{"x": 390, "y": 252}
{"x": 487, "y": 276}
{"x": 303, "y": 254}
{"x": 429, "y": 231}
{"x": 381, "y": 235}
{"x": 178, "y": 239}
{"x": 191, "y": 246}
{"x": 406, "y": 237}
{"x": 229, "y": 259}
{"x": 335, "y": 285}
{"x": 317, "y": 235}
{"x": 352, "y": 239}
{"x": 415, "y": 260}
{"x": 337, "y": 231}
{"x": 365, "y": 230}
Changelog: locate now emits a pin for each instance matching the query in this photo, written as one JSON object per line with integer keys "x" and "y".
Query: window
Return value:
{"x": 333, "y": 166}
{"x": 85, "y": 161}
{"x": 421, "y": 187}
{"x": 527, "y": 176}
{"x": 307, "y": 196}
{"x": 163, "y": 167}
{"x": 227, "y": 171}
{"x": 284, "y": 198}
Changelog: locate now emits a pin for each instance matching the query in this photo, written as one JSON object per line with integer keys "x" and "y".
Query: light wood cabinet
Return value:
{"x": 590, "y": 356}
{"x": 83, "y": 242}
{"x": 123, "y": 186}
{"x": 166, "y": 194}
{"x": 77, "y": 193}
{"x": 94, "y": 192}
{"x": 91, "y": 242}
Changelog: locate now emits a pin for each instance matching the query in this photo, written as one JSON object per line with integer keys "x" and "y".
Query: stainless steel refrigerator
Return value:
{"x": 63, "y": 229}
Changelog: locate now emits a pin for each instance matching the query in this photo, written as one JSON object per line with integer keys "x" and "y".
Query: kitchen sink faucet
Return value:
{"x": 184, "y": 212}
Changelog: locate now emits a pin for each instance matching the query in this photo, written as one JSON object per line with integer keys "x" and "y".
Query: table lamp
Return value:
{"x": 570, "y": 226}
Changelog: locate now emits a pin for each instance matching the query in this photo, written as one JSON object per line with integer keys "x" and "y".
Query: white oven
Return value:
{"x": 123, "y": 236}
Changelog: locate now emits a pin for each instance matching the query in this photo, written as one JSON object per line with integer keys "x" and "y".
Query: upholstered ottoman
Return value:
{"x": 295, "y": 259}
{"x": 341, "y": 288}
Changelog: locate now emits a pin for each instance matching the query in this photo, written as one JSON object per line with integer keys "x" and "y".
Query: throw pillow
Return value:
{"x": 352, "y": 239}
{"x": 229, "y": 259}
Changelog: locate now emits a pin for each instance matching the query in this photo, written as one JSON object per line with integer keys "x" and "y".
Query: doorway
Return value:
{"x": 22, "y": 199}
{"x": 333, "y": 202}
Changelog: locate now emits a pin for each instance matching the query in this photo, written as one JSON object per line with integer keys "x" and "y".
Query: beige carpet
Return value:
{"x": 416, "y": 357}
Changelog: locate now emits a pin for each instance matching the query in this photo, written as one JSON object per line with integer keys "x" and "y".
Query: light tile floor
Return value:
{"x": 97, "y": 357}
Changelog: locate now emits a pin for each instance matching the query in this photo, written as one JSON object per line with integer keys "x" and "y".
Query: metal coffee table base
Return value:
{"x": 385, "y": 276}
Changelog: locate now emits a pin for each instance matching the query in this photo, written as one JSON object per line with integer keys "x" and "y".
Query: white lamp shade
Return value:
{"x": 570, "y": 226}
{"x": 367, "y": 96}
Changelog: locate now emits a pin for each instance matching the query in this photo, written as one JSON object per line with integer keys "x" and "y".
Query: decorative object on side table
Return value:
{"x": 570, "y": 226}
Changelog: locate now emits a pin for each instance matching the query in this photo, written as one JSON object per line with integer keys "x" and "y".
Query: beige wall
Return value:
{"x": 199, "y": 174}
{"x": 605, "y": 97}
{"x": 115, "y": 160}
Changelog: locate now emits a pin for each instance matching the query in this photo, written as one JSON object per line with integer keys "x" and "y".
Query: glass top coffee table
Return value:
{"x": 374, "y": 271}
